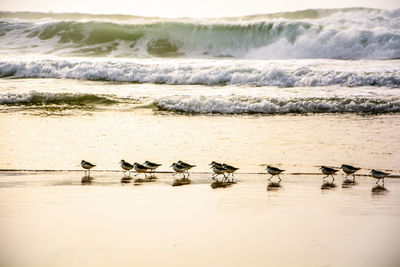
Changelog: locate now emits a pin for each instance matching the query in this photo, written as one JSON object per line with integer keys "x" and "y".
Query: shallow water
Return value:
{"x": 295, "y": 143}
{"x": 108, "y": 223}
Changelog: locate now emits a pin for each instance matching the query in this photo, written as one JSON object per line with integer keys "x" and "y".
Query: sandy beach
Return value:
{"x": 51, "y": 219}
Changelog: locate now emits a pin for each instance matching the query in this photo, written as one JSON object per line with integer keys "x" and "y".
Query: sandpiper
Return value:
{"x": 214, "y": 163}
{"x": 230, "y": 170}
{"x": 140, "y": 169}
{"x": 328, "y": 172}
{"x": 218, "y": 170}
{"x": 178, "y": 168}
{"x": 379, "y": 175}
{"x": 87, "y": 166}
{"x": 348, "y": 169}
{"x": 187, "y": 166}
{"x": 274, "y": 171}
{"x": 126, "y": 166}
{"x": 151, "y": 165}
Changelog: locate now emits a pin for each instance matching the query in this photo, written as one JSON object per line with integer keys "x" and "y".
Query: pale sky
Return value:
{"x": 186, "y": 8}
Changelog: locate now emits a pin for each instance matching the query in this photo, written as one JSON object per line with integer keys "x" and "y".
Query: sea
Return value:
{"x": 304, "y": 62}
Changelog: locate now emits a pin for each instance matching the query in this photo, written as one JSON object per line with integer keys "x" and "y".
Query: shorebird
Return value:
{"x": 348, "y": 169}
{"x": 218, "y": 170}
{"x": 214, "y": 163}
{"x": 87, "y": 166}
{"x": 328, "y": 172}
{"x": 379, "y": 175}
{"x": 178, "y": 168}
{"x": 140, "y": 169}
{"x": 126, "y": 166}
{"x": 229, "y": 169}
{"x": 151, "y": 165}
{"x": 274, "y": 171}
{"x": 187, "y": 166}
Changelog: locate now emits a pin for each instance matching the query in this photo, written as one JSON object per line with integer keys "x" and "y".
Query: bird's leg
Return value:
{"x": 279, "y": 178}
{"x": 333, "y": 179}
{"x": 354, "y": 177}
{"x": 383, "y": 182}
{"x": 270, "y": 178}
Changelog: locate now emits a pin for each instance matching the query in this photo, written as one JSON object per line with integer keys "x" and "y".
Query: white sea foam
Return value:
{"x": 210, "y": 72}
{"x": 240, "y": 105}
{"x": 344, "y": 34}
{"x": 202, "y": 104}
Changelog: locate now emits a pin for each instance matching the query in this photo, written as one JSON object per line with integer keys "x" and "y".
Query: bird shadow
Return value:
{"x": 181, "y": 181}
{"x": 126, "y": 180}
{"x": 274, "y": 186}
{"x": 348, "y": 183}
{"x": 220, "y": 184}
{"x": 147, "y": 179}
{"x": 328, "y": 185}
{"x": 379, "y": 190}
{"x": 87, "y": 180}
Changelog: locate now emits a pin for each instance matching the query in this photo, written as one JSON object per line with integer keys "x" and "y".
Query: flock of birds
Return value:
{"x": 226, "y": 170}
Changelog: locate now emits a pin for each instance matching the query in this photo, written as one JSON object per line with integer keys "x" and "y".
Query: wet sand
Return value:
{"x": 53, "y": 219}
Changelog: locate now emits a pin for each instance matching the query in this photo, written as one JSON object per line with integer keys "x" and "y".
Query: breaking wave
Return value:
{"x": 227, "y": 72}
{"x": 205, "y": 104}
{"x": 250, "y": 105}
{"x": 356, "y": 33}
{"x": 42, "y": 99}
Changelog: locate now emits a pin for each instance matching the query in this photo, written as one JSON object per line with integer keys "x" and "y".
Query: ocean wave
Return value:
{"x": 338, "y": 33}
{"x": 34, "y": 98}
{"x": 251, "y": 105}
{"x": 228, "y": 72}
{"x": 233, "y": 104}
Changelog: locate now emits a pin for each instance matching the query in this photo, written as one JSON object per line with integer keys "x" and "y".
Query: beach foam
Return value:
{"x": 249, "y": 105}
{"x": 208, "y": 72}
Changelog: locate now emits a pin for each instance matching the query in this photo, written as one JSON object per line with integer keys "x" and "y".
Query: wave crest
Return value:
{"x": 336, "y": 33}
{"x": 204, "y": 73}
{"x": 34, "y": 98}
{"x": 250, "y": 105}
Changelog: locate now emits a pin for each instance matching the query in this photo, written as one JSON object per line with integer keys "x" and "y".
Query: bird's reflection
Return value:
{"x": 379, "y": 190}
{"x": 87, "y": 180}
{"x": 148, "y": 179}
{"x": 328, "y": 185}
{"x": 348, "y": 183}
{"x": 126, "y": 180}
{"x": 219, "y": 184}
{"x": 274, "y": 186}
